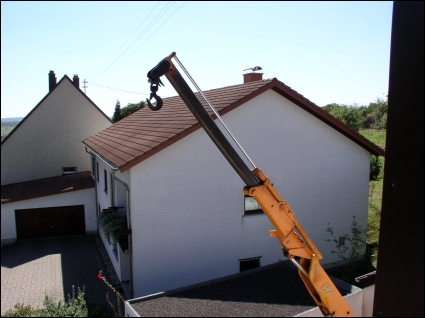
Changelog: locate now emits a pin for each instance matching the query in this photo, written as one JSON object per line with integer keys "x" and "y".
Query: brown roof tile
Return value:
{"x": 145, "y": 132}
{"x": 44, "y": 187}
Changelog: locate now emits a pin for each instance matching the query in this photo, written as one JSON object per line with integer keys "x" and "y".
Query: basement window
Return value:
{"x": 246, "y": 264}
{"x": 69, "y": 170}
{"x": 251, "y": 206}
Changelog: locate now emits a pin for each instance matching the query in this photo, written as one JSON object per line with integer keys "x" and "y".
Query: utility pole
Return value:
{"x": 85, "y": 82}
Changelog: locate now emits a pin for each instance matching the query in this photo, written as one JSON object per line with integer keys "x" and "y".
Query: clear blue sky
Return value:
{"x": 327, "y": 51}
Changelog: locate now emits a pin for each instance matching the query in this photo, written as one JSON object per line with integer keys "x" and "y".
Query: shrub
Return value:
{"x": 74, "y": 307}
{"x": 376, "y": 167}
{"x": 352, "y": 252}
{"x": 20, "y": 311}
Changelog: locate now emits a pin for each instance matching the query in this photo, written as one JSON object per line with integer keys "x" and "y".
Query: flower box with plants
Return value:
{"x": 114, "y": 227}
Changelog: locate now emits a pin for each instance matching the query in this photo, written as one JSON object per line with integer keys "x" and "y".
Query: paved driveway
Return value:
{"x": 31, "y": 268}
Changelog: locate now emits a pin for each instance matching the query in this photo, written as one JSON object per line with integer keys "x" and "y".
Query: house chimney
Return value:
{"x": 251, "y": 77}
{"x": 76, "y": 81}
{"x": 52, "y": 81}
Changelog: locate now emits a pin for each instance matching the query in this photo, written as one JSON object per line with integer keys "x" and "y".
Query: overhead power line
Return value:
{"x": 116, "y": 89}
{"x": 148, "y": 37}
{"x": 143, "y": 32}
{"x": 127, "y": 39}
{"x": 121, "y": 90}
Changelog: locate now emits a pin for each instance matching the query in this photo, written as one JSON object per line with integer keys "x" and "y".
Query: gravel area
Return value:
{"x": 273, "y": 291}
{"x": 111, "y": 275}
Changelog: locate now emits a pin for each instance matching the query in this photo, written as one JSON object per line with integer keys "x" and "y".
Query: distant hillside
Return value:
{"x": 12, "y": 119}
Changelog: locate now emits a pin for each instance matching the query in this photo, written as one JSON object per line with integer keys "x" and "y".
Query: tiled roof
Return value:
{"x": 145, "y": 132}
{"x": 44, "y": 187}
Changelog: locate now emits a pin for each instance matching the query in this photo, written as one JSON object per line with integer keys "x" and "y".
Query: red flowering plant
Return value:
{"x": 118, "y": 312}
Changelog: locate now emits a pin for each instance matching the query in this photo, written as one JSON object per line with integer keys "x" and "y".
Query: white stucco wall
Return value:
{"x": 187, "y": 201}
{"x": 50, "y": 138}
{"x": 84, "y": 197}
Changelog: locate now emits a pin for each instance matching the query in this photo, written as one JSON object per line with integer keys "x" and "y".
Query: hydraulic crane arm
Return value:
{"x": 296, "y": 244}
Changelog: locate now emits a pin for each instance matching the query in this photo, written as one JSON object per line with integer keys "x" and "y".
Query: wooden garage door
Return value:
{"x": 48, "y": 222}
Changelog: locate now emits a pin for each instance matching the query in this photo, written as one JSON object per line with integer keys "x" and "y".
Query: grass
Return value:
{"x": 375, "y": 136}
{"x": 7, "y": 128}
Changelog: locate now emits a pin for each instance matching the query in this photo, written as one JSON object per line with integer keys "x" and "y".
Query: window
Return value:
{"x": 105, "y": 181}
{"x": 341, "y": 241}
{"x": 97, "y": 171}
{"x": 69, "y": 170}
{"x": 251, "y": 206}
{"x": 249, "y": 263}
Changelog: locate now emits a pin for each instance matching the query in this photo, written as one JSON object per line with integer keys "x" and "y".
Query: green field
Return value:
{"x": 7, "y": 127}
{"x": 375, "y": 136}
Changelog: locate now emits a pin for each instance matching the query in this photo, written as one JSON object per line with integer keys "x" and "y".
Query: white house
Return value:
{"x": 185, "y": 209}
{"x": 45, "y": 178}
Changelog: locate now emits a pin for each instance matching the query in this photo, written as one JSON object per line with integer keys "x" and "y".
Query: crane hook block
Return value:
{"x": 154, "y": 89}
{"x": 154, "y": 78}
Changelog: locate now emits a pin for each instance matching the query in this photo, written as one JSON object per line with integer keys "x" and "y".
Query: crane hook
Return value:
{"x": 154, "y": 89}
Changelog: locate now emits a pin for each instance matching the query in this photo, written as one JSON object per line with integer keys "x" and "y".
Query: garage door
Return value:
{"x": 48, "y": 222}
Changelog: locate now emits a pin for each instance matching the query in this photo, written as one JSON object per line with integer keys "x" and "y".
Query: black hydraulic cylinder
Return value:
{"x": 206, "y": 121}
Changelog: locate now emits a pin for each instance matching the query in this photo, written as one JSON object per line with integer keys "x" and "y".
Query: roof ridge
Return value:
{"x": 235, "y": 85}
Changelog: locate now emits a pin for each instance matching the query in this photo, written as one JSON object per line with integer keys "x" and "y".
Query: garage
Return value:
{"x": 50, "y": 222}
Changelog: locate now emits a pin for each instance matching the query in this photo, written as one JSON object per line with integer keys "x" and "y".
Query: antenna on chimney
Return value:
{"x": 85, "y": 82}
{"x": 255, "y": 68}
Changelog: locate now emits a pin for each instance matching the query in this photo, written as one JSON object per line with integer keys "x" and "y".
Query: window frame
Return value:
{"x": 246, "y": 264}
{"x": 251, "y": 211}
{"x": 105, "y": 180}
{"x": 69, "y": 170}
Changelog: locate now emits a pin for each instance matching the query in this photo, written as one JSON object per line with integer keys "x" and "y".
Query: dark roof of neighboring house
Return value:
{"x": 44, "y": 187}
{"x": 29, "y": 114}
{"x": 145, "y": 132}
{"x": 271, "y": 291}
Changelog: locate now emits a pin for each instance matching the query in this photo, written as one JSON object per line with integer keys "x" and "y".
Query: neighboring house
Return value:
{"x": 184, "y": 204}
{"x": 46, "y": 185}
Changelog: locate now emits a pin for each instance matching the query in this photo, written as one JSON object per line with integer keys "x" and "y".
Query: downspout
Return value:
{"x": 127, "y": 191}
{"x": 95, "y": 188}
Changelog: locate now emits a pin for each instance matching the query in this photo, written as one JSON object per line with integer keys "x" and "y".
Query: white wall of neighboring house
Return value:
{"x": 50, "y": 138}
{"x": 187, "y": 203}
{"x": 119, "y": 259}
{"x": 84, "y": 197}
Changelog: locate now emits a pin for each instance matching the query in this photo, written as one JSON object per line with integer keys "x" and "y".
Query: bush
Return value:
{"x": 350, "y": 248}
{"x": 74, "y": 307}
{"x": 20, "y": 311}
{"x": 376, "y": 167}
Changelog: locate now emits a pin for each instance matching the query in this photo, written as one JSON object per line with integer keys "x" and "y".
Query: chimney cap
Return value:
{"x": 255, "y": 68}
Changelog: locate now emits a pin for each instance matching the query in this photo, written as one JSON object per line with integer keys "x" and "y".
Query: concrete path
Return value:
{"x": 31, "y": 268}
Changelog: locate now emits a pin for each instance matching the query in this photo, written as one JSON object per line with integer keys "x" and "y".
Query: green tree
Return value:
{"x": 348, "y": 115}
{"x": 380, "y": 113}
{"x": 117, "y": 113}
{"x": 131, "y": 108}
{"x": 332, "y": 106}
